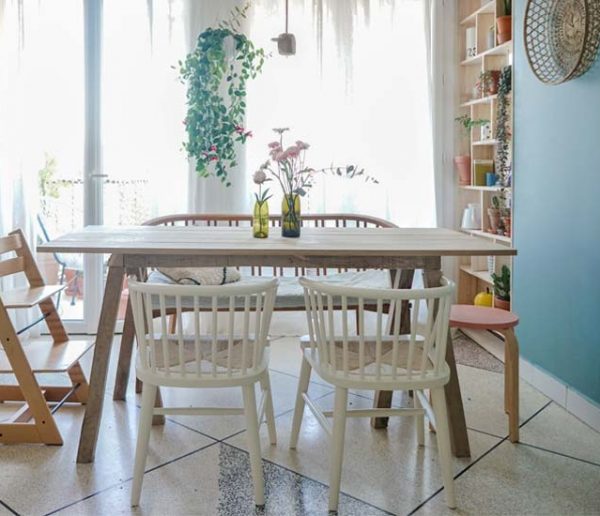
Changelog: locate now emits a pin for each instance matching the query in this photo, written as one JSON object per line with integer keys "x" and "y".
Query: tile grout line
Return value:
{"x": 216, "y": 441}
{"x": 309, "y": 478}
{"x": 9, "y": 508}
{"x": 469, "y": 466}
{"x": 125, "y": 481}
{"x": 560, "y": 454}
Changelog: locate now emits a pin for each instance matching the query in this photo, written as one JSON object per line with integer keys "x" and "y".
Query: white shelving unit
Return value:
{"x": 482, "y": 17}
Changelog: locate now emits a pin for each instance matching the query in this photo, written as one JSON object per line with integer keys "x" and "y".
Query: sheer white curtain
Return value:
{"x": 358, "y": 91}
{"x": 41, "y": 101}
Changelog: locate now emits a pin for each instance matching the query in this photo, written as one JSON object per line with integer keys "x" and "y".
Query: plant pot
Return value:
{"x": 506, "y": 222}
{"x": 290, "y": 216}
{"x": 494, "y": 218}
{"x": 463, "y": 166}
{"x": 504, "y": 24}
{"x": 501, "y": 303}
{"x": 493, "y": 84}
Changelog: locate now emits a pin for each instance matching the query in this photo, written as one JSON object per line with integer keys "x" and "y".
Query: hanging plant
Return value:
{"x": 216, "y": 95}
{"x": 503, "y": 131}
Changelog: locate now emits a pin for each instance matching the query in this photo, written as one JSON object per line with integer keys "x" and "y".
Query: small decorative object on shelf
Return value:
{"x": 490, "y": 179}
{"x": 484, "y": 298}
{"x": 502, "y": 288}
{"x": 260, "y": 215}
{"x": 487, "y": 84}
{"x": 562, "y": 38}
{"x": 504, "y": 23}
{"x": 290, "y": 216}
{"x": 471, "y": 43}
{"x": 463, "y": 162}
{"x": 287, "y": 167}
{"x": 491, "y": 264}
{"x": 491, "y": 38}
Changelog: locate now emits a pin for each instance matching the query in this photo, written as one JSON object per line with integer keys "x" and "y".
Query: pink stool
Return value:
{"x": 503, "y": 321}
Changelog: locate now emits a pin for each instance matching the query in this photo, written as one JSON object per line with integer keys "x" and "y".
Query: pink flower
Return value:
{"x": 292, "y": 151}
{"x": 214, "y": 157}
{"x": 281, "y": 156}
{"x": 239, "y": 129}
{"x": 259, "y": 177}
{"x": 213, "y": 148}
{"x": 248, "y": 134}
{"x": 274, "y": 145}
{"x": 302, "y": 145}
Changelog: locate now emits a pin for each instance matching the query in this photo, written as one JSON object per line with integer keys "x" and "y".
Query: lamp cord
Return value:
{"x": 286, "y": 15}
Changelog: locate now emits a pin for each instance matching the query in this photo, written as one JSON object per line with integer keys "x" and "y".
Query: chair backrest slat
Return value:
{"x": 375, "y": 354}
{"x": 217, "y": 354}
{"x": 12, "y": 266}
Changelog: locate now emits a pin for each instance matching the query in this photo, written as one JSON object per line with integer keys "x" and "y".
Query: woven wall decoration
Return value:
{"x": 561, "y": 38}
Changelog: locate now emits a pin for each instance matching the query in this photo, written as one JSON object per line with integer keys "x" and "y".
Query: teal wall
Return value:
{"x": 557, "y": 221}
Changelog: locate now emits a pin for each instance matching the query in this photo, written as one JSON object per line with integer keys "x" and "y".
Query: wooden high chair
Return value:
{"x": 34, "y": 421}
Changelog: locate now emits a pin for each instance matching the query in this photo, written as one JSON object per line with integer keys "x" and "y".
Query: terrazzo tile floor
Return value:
{"x": 199, "y": 465}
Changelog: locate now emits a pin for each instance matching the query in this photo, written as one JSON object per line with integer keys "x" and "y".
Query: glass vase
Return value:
{"x": 290, "y": 216}
{"x": 260, "y": 220}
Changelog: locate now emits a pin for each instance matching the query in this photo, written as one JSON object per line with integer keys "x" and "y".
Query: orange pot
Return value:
{"x": 504, "y": 24}
{"x": 501, "y": 304}
{"x": 463, "y": 166}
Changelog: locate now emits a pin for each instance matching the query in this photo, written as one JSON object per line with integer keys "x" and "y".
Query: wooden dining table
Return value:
{"x": 135, "y": 247}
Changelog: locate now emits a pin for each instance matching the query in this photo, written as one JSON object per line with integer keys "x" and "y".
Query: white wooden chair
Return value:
{"x": 381, "y": 360}
{"x": 203, "y": 358}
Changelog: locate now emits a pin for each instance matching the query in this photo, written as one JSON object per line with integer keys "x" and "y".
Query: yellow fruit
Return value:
{"x": 483, "y": 299}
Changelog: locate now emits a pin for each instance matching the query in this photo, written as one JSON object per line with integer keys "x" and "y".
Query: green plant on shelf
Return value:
{"x": 467, "y": 123}
{"x": 507, "y": 7}
{"x": 503, "y": 129}
{"x": 502, "y": 284}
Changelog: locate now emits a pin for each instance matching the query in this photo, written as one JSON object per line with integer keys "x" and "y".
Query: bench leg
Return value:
{"x": 511, "y": 378}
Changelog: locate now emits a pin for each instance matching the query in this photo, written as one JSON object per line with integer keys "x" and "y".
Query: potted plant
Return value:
{"x": 488, "y": 82}
{"x": 504, "y": 22}
{"x": 494, "y": 215}
{"x": 463, "y": 162}
{"x": 216, "y": 73}
{"x": 502, "y": 288}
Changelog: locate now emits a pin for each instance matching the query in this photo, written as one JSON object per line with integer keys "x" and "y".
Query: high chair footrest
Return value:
{"x": 48, "y": 357}
{"x": 29, "y": 296}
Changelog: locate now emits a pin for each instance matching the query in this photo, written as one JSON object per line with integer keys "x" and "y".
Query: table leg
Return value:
{"x": 125, "y": 351}
{"x": 383, "y": 399}
{"x": 456, "y": 415}
{"x": 104, "y": 338}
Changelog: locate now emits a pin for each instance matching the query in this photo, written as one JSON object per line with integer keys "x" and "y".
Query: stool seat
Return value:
{"x": 481, "y": 318}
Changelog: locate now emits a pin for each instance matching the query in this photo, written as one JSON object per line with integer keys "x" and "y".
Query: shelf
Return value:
{"x": 484, "y": 188}
{"x": 485, "y": 234}
{"x": 482, "y": 275}
{"x": 485, "y": 142}
{"x": 499, "y": 50}
{"x": 489, "y": 7}
{"x": 482, "y": 100}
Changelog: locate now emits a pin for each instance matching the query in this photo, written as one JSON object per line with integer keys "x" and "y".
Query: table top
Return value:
{"x": 236, "y": 241}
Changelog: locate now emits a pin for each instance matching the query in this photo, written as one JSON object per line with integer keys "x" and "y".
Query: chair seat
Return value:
{"x": 46, "y": 357}
{"x": 481, "y": 318}
{"x": 28, "y": 297}
{"x": 290, "y": 294}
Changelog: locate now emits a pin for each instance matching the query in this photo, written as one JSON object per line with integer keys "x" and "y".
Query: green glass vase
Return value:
{"x": 260, "y": 220}
{"x": 290, "y": 216}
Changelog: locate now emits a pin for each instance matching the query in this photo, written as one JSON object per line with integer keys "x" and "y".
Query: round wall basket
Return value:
{"x": 561, "y": 38}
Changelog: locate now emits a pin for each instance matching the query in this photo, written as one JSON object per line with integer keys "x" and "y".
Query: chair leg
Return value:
{"x": 254, "y": 444}
{"x": 158, "y": 419}
{"x": 265, "y": 384}
{"x": 420, "y": 420}
{"x": 512, "y": 380}
{"x": 303, "y": 382}
{"x": 141, "y": 450}
{"x": 438, "y": 398}
{"x": 337, "y": 446}
{"x": 77, "y": 376}
{"x": 507, "y": 367}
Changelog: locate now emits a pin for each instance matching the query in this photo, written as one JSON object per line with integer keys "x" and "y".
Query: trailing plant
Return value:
{"x": 502, "y": 284}
{"x": 503, "y": 132}
{"x": 507, "y": 7}
{"x": 467, "y": 123}
{"x": 216, "y": 95}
